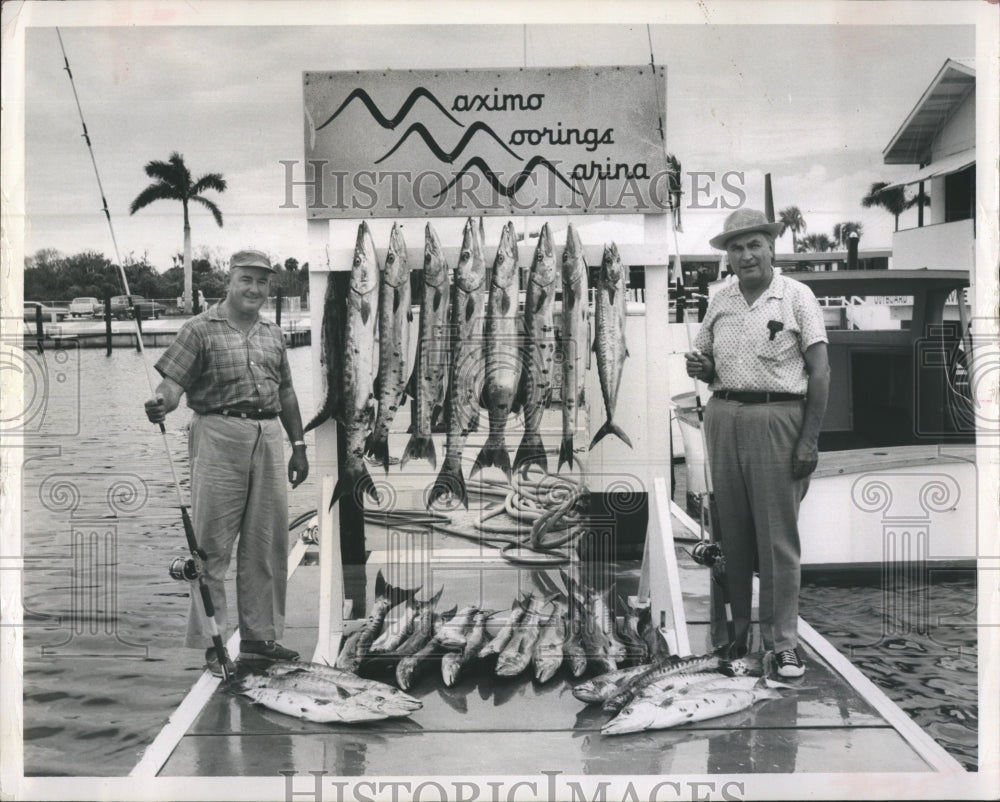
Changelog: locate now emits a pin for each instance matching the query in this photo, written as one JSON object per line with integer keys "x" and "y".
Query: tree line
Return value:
{"x": 50, "y": 276}
{"x": 893, "y": 199}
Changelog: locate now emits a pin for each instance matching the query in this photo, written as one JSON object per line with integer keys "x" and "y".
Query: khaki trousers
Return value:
{"x": 238, "y": 488}
{"x": 750, "y": 452}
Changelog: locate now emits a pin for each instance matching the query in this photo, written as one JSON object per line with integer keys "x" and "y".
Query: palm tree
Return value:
{"x": 841, "y": 231}
{"x": 173, "y": 182}
{"x": 815, "y": 243}
{"x": 892, "y": 199}
{"x": 791, "y": 219}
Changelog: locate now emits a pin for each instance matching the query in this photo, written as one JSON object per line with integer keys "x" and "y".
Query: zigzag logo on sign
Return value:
{"x": 508, "y": 190}
{"x": 379, "y": 117}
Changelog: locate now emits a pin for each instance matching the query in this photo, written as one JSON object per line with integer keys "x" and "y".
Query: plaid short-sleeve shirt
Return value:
{"x": 760, "y": 348}
{"x": 219, "y": 366}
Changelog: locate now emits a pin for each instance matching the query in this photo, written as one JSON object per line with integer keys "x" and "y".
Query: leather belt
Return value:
{"x": 756, "y": 398}
{"x": 243, "y": 413}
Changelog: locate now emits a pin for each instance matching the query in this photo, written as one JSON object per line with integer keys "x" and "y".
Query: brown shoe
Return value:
{"x": 265, "y": 650}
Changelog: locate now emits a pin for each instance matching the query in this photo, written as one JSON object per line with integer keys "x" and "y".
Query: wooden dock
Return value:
{"x": 835, "y": 721}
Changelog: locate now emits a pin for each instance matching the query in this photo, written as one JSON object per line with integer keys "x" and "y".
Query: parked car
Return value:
{"x": 148, "y": 309}
{"x": 85, "y": 307}
{"x": 47, "y": 311}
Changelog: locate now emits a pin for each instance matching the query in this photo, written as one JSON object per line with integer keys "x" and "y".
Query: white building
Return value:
{"x": 938, "y": 137}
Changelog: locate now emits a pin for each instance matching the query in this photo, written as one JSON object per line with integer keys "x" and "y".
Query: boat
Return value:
{"x": 896, "y": 479}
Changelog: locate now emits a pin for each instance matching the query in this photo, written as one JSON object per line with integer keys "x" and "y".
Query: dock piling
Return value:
{"x": 107, "y": 321}
{"x": 39, "y": 329}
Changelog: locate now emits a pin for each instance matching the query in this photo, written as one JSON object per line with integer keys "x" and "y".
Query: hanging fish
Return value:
{"x": 394, "y": 318}
{"x": 539, "y": 351}
{"x": 575, "y": 339}
{"x": 467, "y": 369}
{"x": 503, "y": 353}
{"x": 609, "y": 342}
{"x": 428, "y": 382}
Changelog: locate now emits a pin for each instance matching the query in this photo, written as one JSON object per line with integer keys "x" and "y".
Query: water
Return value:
{"x": 103, "y": 621}
{"x": 925, "y": 663}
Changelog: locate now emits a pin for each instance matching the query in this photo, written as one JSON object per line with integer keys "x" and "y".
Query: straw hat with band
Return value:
{"x": 744, "y": 221}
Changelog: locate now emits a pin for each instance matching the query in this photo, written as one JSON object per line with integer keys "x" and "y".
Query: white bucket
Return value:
{"x": 694, "y": 447}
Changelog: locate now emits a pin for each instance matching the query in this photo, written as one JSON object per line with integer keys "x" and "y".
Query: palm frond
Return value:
{"x": 154, "y": 192}
{"x": 209, "y": 181}
{"x": 210, "y": 206}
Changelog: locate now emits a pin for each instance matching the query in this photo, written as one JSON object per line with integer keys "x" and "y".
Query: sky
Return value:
{"x": 813, "y": 105}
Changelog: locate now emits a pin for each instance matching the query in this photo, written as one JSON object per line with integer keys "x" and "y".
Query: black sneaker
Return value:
{"x": 790, "y": 664}
{"x": 215, "y": 667}
{"x": 265, "y": 650}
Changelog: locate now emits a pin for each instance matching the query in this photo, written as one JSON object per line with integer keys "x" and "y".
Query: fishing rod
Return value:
{"x": 181, "y": 568}
{"x": 706, "y": 552}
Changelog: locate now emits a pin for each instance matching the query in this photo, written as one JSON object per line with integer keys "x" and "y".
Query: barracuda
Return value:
{"x": 394, "y": 318}
{"x": 467, "y": 369}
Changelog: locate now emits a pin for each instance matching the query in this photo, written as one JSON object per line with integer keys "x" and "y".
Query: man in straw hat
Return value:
{"x": 232, "y": 365}
{"x": 762, "y": 350}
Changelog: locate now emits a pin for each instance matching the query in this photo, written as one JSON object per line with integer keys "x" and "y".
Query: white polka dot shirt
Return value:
{"x": 760, "y": 348}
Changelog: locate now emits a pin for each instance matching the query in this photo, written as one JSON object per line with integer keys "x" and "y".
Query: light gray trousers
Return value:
{"x": 238, "y": 487}
{"x": 750, "y": 452}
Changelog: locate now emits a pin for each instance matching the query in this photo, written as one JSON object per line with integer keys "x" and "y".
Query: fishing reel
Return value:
{"x": 707, "y": 553}
{"x": 185, "y": 568}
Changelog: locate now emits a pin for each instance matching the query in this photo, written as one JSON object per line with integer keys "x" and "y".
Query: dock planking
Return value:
{"x": 488, "y": 725}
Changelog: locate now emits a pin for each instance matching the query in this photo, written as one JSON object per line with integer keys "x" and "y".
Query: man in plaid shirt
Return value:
{"x": 233, "y": 368}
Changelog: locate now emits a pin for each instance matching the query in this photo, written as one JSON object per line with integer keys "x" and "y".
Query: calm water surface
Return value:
{"x": 104, "y": 622}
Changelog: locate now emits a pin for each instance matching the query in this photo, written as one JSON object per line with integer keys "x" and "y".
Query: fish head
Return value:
{"x": 573, "y": 260}
{"x": 396, "y": 269}
{"x": 364, "y": 268}
{"x": 543, "y": 268}
{"x": 634, "y": 717}
{"x": 748, "y": 665}
{"x": 505, "y": 262}
{"x": 471, "y": 269}
{"x": 449, "y": 671}
{"x": 612, "y": 269}
{"x": 435, "y": 266}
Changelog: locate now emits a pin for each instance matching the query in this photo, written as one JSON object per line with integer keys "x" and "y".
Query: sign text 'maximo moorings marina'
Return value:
{"x": 420, "y": 143}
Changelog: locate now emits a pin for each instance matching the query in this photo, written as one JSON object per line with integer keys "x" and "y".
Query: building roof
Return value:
{"x": 912, "y": 142}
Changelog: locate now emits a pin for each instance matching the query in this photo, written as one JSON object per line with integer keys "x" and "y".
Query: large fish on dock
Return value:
{"x": 387, "y": 596}
{"x": 688, "y": 665}
{"x": 452, "y": 663}
{"x": 453, "y": 633}
{"x": 502, "y": 638}
{"x": 604, "y": 686}
{"x": 503, "y": 353}
{"x": 548, "y": 653}
{"x": 378, "y": 697}
{"x": 429, "y": 380}
{"x": 575, "y": 339}
{"x": 609, "y": 340}
{"x": 539, "y": 351}
{"x": 400, "y": 628}
{"x": 467, "y": 369}
{"x": 394, "y": 318}
{"x": 415, "y": 661}
{"x": 356, "y": 406}
{"x": 519, "y": 649}
{"x": 645, "y": 715}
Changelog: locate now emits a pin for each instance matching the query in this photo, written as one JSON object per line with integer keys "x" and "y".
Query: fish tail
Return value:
{"x": 610, "y": 427}
{"x": 531, "y": 452}
{"x": 494, "y": 454}
{"x": 377, "y": 447}
{"x": 449, "y": 482}
{"x": 566, "y": 452}
{"x": 357, "y": 481}
{"x": 419, "y": 447}
{"x": 320, "y": 417}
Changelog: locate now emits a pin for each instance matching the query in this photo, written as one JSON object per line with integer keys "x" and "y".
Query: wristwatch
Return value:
{"x": 297, "y": 443}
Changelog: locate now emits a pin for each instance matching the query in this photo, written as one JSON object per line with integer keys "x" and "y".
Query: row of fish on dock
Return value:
{"x": 634, "y": 677}
{"x": 475, "y": 350}
{"x": 542, "y": 630}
